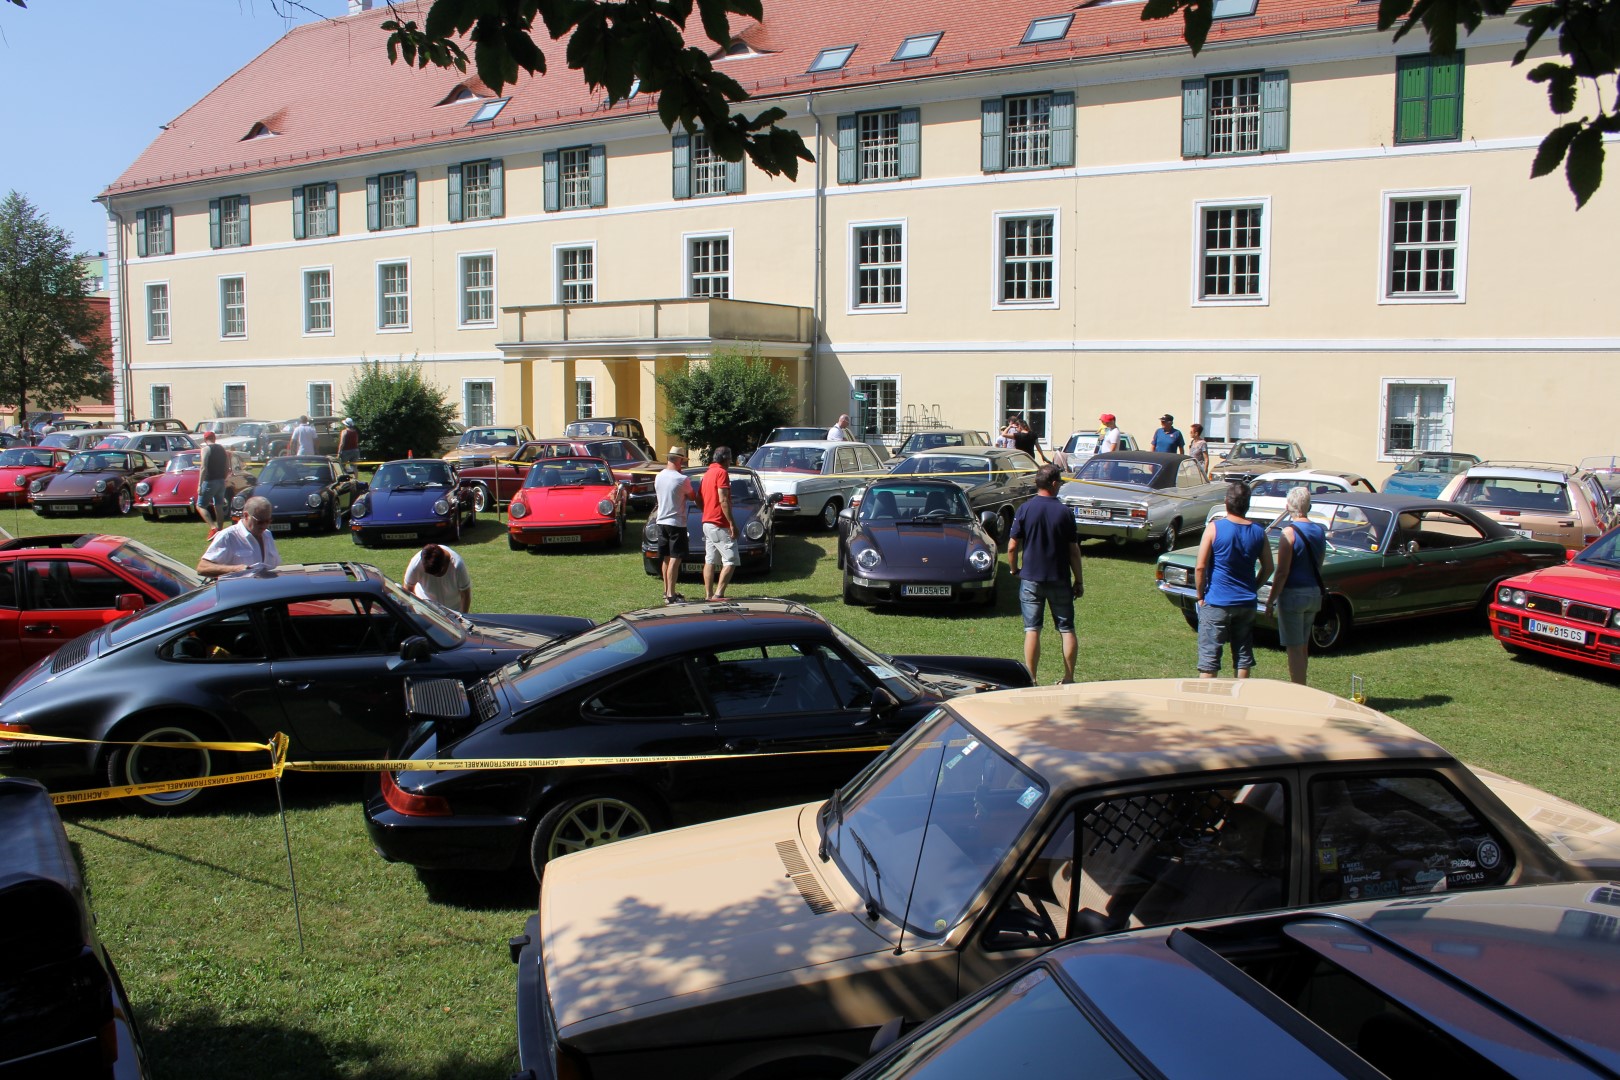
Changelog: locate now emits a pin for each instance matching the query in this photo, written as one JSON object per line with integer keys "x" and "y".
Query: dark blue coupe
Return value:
{"x": 304, "y": 492}
{"x": 415, "y": 499}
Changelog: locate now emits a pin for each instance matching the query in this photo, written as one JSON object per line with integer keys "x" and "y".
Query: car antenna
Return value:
{"x": 916, "y": 870}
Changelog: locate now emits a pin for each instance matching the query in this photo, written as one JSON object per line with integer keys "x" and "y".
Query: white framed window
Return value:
{"x": 157, "y": 311}
{"x": 1234, "y": 114}
{"x": 1424, "y": 249}
{"x": 394, "y": 295}
{"x": 1232, "y": 239}
{"x": 1029, "y": 397}
{"x": 876, "y": 412}
{"x": 394, "y": 204}
{"x": 476, "y": 286}
{"x": 233, "y": 307}
{"x": 1414, "y": 416}
{"x": 574, "y": 177}
{"x": 233, "y": 221}
{"x": 320, "y": 399}
{"x": 1229, "y": 406}
{"x": 154, "y": 232}
{"x": 576, "y": 273}
{"x": 235, "y": 399}
{"x": 162, "y": 402}
{"x": 1028, "y": 140}
{"x": 708, "y": 265}
{"x": 317, "y": 299}
{"x": 315, "y": 211}
{"x": 475, "y": 190}
{"x": 1026, "y": 259}
{"x": 878, "y": 266}
{"x": 878, "y": 144}
{"x": 584, "y": 399}
{"x": 708, "y": 168}
{"x": 477, "y": 402}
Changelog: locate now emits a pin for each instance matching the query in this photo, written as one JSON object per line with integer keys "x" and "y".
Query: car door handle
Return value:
{"x": 293, "y": 684}
{"x": 39, "y": 628}
{"x": 741, "y": 746}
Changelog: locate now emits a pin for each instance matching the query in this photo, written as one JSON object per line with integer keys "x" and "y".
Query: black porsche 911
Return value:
{"x": 304, "y": 492}
{"x": 718, "y": 682}
{"x": 916, "y": 541}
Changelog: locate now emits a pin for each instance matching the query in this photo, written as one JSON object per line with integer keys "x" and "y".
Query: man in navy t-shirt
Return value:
{"x": 1043, "y": 550}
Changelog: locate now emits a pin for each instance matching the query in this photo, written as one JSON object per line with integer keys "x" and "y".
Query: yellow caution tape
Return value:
{"x": 231, "y": 747}
{"x": 276, "y": 747}
{"x": 469, "y": 764}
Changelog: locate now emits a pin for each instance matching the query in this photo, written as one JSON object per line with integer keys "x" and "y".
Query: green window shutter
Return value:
{"x": 497, "y": 188}
{"x": 736, "y": 171}
{"x": 140, "y": 235}
{"x": 910, "y": 144}
{"x": 410, "y": 200}
{"x": 1273, "y": 111}
{"x": 849, "y": 137}
{"x": 551, "y": 179}
{"x": 168, "y": 232}
{"x": 331, "y": 209}
{"x": 1194, "y": 107}
{"x": 213, "y": 223}
{"x": 1411, "y": 98}
{"x": 598, "y": 175}
{"x": 1062, "y": 122}
{"x": 990, "y": 157}
{"x": 454, "y": 189}
{"x": 243, "y": 208}
{"x": 683, "y": 166}
{"x": 373, "y": 203}
{"x": 298, "y": 213}
{"x": 1445, "y": 97}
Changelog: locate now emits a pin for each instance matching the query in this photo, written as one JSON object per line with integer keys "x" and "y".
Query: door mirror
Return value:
{"x": 883, "y": 702}
{"x": 774, "y": 497}
{"x": 414, "y": 650}
{"x": 1409, "y": 548}
{"x": 251, "y": 478}
{"x": 990, "y": 521}
{"x": 129, "y": 602}
{"x": 361, "y": 487}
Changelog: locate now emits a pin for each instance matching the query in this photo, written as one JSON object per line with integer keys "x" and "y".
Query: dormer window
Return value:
{"x": 460, "y": 94}
{"x": 260, "y": 130}
{"x": 832, "y": 59}
{"x": 489, "y": 110}
{"x": 918, "y": 46}
{"x": 1051, "y": 28}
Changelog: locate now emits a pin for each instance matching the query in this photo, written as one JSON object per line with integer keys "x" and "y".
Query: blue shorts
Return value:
{"x": 1034, "y": 596}
{"x": 1218, "y": 626}
{"x": 1296, "y": 614}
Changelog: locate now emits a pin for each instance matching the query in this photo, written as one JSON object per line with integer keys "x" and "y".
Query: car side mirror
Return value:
{"x": 884, "y": 702}
{"x": 774, "y": 497}
{"x": 361, "y": 487}
{"x": 129, "y": 602}
{"x": 251, "y": 478}
{"x": 1409, "y": 548}
{"x": 989, "y": 520}
{"x": 414, "y": 650}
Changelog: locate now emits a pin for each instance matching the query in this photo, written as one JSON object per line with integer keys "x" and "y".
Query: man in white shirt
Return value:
{"x": 438, "y": 574}
{"x": 840, "y": 431}
{"x": 247, "y": 545}
{"x": 1108, "y": 437}
{"x": 302, "y": 443}
{"x": 674, "y": 490}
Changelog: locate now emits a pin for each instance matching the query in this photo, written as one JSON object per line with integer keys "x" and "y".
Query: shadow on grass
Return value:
{"x": 1390, "y": 704}
{"x": 1563, "y": 665}
{"x": 268, "y": 882}
{"x": 502, "y": 890}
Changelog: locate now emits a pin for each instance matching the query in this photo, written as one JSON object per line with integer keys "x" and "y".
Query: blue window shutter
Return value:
{"x": 410, "y": 200}
{"x": 373, "y": 203}
{"x": 990, "y": 158}
{"x": 1194, "y": 107}
{"x": 140, "y": 235}
{"x": 497, "y": 188}
{"x": 1274, "y": 110}
{"x": 331, "y": 209}
{"x": 244, "y": 209}
{"x": 551, "y": 179}
{"x": 454, "y": 188}
{"x": 736, "y": 171}
{"x": 598, "y": 175}
{"x": 910, "y": 144}
{"x": 298, "y": 213}
{"x": 213, "y": 223}
{"x": 1062, "y": 123}
{"x": 849, "y": 137}
{"x": 683, "y": 166}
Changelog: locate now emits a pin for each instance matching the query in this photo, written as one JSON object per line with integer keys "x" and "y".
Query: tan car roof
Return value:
{"x": 1096, "y": 732}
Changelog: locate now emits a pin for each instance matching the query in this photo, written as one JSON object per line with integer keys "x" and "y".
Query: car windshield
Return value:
{"x": 155, "y": 569}
{"x": 565, "y": 472}
{"x": 584, "y": 656}
{"x": 790, "y": 434}
{"x": 1601, "y": 463}
{"x": 617, "y": 451}
{"x": 295, "y": 471}
{"x": 882, "y": 668}
{"x": 1353, "y": 528}
{"x": 893, "y": 503}
{"x": 63, "y": 441}
{"x": 444, "y": 628}
{"x": 189, "y": 461}
{"x": 1449, "y": 464}
{"x": 1261, "y": 451}
{"x": 1081, "y": 442}
{"x": 183, "y": 608}
{"x": 923, "y": 827}
{"x": 1513, "y": 493}
{"x": 95, "y": 461}
{"x": 804, "y": 459}
{"x": 742, "y": 489}
{"x": 589, "y": 427}
{"x": 25, "y": 457}
{"x": 1604, "y": 552}
{"x": 944, "y": 465}
{"x": 490, "y": 436}
{"x": 934, "y": 440}
{"x": 1110, "y": 470}
{"x": 411, "y": 476}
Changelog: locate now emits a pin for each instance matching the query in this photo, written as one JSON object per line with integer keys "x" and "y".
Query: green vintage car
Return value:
{"x": 1389, "y": 557}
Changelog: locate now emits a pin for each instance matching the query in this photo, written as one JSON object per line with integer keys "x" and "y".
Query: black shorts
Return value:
{"x": 669, "y": 540}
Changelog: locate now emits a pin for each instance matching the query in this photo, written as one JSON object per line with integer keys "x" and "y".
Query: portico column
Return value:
{"x": 559, "y": 410}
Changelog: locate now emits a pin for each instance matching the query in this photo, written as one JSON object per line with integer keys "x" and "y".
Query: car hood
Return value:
{"x": 1572, "y": 581}
{"x": 505, "y": 633}
{"x": 384, "y": 506}
{"x": 1576, "y": 835}
{"x": 76, "y": 483}
{"x": 649, "y": 932}
{"x": 28, "y": 471}
{"x": 912, "y": 546}
{"x": 174, "y": 485}
{"x": 279, "y": 493}
{"x": 563, "y": 504}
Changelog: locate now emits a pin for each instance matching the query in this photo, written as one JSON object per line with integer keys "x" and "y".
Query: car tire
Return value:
{"x": 840, "y": 557}
{"x": 1332, "y": 626}
{"x": 989, "y": 600}
{"x": 590, "y": 820}
{"x": 850, "y": 596}
{"x": 125, "y": 500}
{"x": 1004, "y": 520}
{"x": 829, "y": 514}
{"x": 455, "y": 527}
{"x": 481, "y": 499}
{"x": 150, "y": 516}
{"x": 337, "y": 516}
{"x": 141, "y": 764}
{"x": 618, "y": 534}
{"x": 511, "y": 542}
{"x": 1167, "y": 539}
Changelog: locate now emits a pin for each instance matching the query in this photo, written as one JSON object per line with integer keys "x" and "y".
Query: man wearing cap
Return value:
{"x": 1167, "y": 440}
{"x": 1108, "y": 437}
{"x": 673, "y": 488}
{"x": 214, "y": 465}
{"x": 349, "y": 444}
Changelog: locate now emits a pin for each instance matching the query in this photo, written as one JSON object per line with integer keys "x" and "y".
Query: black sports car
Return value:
{"x": 729, "y": 679}
{"x": 996, "y": 481}
{"x": 916, "y": 541}
{"x": 93, "y": 481}
{"x": 309, "y": 492}
{"x": 752, "y": 510}
{"x": 319, "y": 652}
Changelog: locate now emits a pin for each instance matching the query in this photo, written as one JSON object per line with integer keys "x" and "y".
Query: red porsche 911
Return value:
{"x": 567, "y": 501}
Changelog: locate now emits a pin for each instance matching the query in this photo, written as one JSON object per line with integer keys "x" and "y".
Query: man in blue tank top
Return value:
{"x": 1227, "y": 586}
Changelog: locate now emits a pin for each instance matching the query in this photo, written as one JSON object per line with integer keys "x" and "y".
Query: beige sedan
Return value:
{"x": 1560, "y": 503}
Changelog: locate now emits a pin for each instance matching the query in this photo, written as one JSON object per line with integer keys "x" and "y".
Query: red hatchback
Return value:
{"x": 1571, "y": 610}
{"x": 572, "y": 500}
{"x": 54, "y": 588}
{"x": 20, "y": 466}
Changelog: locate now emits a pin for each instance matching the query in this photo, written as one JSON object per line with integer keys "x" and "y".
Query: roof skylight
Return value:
{"x": 489, "y": 110}
{"x": 1050, "y": 28}
{"x": 1233, "y": 9}
{"x": 918, "y": 46}
{"x": 832, "y": 59}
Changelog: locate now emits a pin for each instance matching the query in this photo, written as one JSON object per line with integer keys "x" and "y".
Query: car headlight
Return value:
{"x": 518, "y": 510}
{"x": 868, "y": 559}
{"x": 1615, "y": 620}
{"x": 980, "y": 560}
{"x": 101, "y": 485}
{"x": 359, "y": 509}
{"x": 313, "y": 501}
{"x": 441, "y": 507}
{"x": 606, "y": 508}
{"x": 1512, "y": 597}
{"x": 143, "y": 488}
{"x": 20, "y": 480}
{"x": 754, "y": 530}
{"x": 38, "y": 485}
{"x": 236, "y": 504}
{"x": 1175, "y": 575}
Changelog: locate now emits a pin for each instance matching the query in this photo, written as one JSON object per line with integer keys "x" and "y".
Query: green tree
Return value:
{"x": 731, "y": 400}
{"x": 51, "y": 348}
{"x": 397, "y": 412}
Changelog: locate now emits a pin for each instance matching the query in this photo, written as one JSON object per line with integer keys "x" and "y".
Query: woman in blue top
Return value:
{"x": 1227, "y": 586}
{"x": 1299, "y": 568}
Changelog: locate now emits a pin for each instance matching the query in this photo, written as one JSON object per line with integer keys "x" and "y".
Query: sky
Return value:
{"x": 85, "y": 84}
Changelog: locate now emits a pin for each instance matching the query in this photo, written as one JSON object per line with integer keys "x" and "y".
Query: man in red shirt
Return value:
{"x": 719, "y": 527}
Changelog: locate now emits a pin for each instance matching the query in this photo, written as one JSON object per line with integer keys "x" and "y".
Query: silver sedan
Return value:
{"x": 1136, "y": 496}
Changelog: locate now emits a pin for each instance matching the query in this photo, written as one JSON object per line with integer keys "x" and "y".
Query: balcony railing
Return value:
{"x": 679, "y": 320}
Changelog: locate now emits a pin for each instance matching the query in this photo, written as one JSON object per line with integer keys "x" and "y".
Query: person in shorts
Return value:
{"x": 719, "y": 527}
{"x": 1043, "y": 551}
{"x": 673, "y": 488}
{"x": 349, "y": 445}
{"x": 214, "y": 465}
{"x": 1299, "y": 571}
{"x": 1228, "y": 587}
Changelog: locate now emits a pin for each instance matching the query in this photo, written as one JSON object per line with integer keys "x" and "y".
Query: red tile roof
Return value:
{"x": 328, "y": 91}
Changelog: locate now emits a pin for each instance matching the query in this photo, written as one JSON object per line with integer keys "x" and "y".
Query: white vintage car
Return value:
{"x": 1268, "y": 495}
{"x": 815, "y": 478}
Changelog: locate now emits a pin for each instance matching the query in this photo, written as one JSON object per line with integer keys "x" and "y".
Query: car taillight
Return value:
{"x": 1138, "y": 513}
{"x": 790, "y": 500}
{"x": 1509, "y": 513}
{"x": 413, "y": 805}
{"x": 16, "y": 729}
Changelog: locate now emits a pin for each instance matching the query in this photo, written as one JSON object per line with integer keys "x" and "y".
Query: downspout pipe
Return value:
{"x": 818, "y": 292}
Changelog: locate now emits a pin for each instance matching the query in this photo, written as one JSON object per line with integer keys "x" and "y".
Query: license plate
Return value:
{"x": 1562, "y": 633}
{"x": 559, "y": 539}
{"x": 1526, "y": 533}
{"x": 399, "y": 536}
{"x": 692, "y": 568}
{"x": 1090, "y": 513}
{"x": 280, "y": 526}
{"x": 925, "y": 590}
{"x": 61, "y": 508}
{"x": 175, "y": 510}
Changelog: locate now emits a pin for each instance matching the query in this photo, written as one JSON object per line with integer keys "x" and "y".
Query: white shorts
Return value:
{"x": 719, "y": 547}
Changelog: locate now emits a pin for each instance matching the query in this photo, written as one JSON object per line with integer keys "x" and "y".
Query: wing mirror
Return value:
{"x": 774, "y": 497}
{"x": 129, "y": 602}
{"x": 251, "y": 478}
{"x": 990, "y": 521}
{"x": 361, "y": 487}
{"x": 414, "y": 650}
{"x": 1409, "y": 548}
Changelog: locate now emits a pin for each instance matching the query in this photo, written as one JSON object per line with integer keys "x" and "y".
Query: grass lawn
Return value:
{"x": 403, "y": 976}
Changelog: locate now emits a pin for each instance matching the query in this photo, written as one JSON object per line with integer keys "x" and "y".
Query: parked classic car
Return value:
{"x": 251, "y": 438}
{"x": 1138, "y": 496}
{"x": 1082, "y": 445}
{"x": 320, "y": 652}
{"x": 1268, "y": 494}
{"x": 414, "y": 499}
{"x": 567, "y": 501}
{"x": 1428, "y": 473}
{"x": 54, "y": 587}
{"x": 496, "y": 482}
{"x": 729, "y": 681}
{"x": 777, "y": 944}
{"x": 1571, "y": 610}
{"x": 1389, "y": 557}
{"x": 913, "y": 540}
{"x": 1390, "y": 987}
{"x": 74, "y": 441}
{"x": 483, "y": 444}
{"x": 222, "y": 426}
{"x": 1250, "y": 458}
{"x": 160, "y": 423}
{"x": 173, "y": 492}
{"x": 92, "y": 481}
{"x": 941, "y": 439}
{"x": 160, "y": 446}
{"x": 996, "y": 481}
{"x": 754, "y": 512}
{"x": 1605, "y": 468}
{"x": 20, "y": 466}
{"x": 1560, "y": 503}
{"x": 815, "y": 478}
{"x": 615, "y": 427}
{"x": 327, "y": 430}
{"x": 304, "y": 492}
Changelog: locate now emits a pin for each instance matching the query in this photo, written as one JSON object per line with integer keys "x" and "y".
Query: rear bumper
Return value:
{"x": 1134, "y": 530}
{"x": 455, "y": 842}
